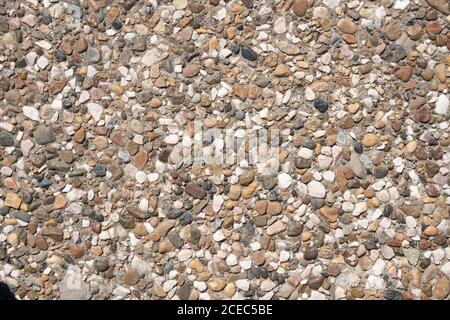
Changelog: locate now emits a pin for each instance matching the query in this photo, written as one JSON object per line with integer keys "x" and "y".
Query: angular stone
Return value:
{"x": 44, "y": 135}
{"x": 195, "y": 191}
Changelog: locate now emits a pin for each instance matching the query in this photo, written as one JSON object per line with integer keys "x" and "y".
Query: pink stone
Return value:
{"x": 30, "y": 20}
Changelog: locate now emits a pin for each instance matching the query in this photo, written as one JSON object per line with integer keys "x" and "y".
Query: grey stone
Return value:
{"x": 44, "y": 135}
{"x": 6, "y": 139}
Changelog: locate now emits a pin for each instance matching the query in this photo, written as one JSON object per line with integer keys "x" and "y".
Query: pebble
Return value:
{"x": 44, "y": 135}
{"x": 442, "y": 105}
{"x": 248, "y": 53}
{"x": 284, "y": 180}
{"x": 316, "y": 190}
{"x": 6, "y": 139}
{"x": 320, "y": 105}
{"x": 299, "y": 7}
{"x": 31, "y": 113}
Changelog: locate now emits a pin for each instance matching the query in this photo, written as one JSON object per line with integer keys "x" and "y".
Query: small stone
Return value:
{"x": 320, "y": 105}
{"x": 138, "y": 213}
{"x": 247, "y": 177}
{"x": 248, "y": 53}
{"x": 329, "y": 213}
{"x": 131, "y": 277}
{"x": 285, "y": 290}
{"x": 284, "y": 180}
{"x": 229, "y": 290}
{"x": 310, "y": 253}
{"x": 316, "y": 189}
{"x": 441, "y": 288}
{"x": 195, "y": 191}
{"x": 60, "y": 202}
{"x": 404, "y": 73}
{"x": 412, "y": 255}
{"x": 95, "y": 110}
{"x": 92, "y": 55}
{"x": 76, "y": 251}
{"x": 274, "y": 208}
{"x": 346, "y": 26}
{"x": 184, "y": 291}
{"x": 442, "y": 105}
{"x": 191, "y": 70}
{"x": 275, "y": 228}
{"x": 393, "y": 30}
{"x": 101, "y": 264}
{"x": 44, "y": 135}
{"x": 6, "y": 139}
{"x": 288, "y": 48}
{"x": 299, "y": 7}
{"x": 439, "y": 5}
{"x": 216, "y": 284}
{"x": 387, "y": 252}
{"x": 430, "y": 231}
{"x": 81, "y": 45}
{"x": 12, "y": 200}
{"x": 369, "y": 140}
{"x": 279, "y": 25}
{"x": 99, "y": 170}
{"x": 31, "y": 112}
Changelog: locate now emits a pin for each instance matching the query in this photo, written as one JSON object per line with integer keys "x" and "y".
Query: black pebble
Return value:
{"x": 117, "y": 25}
{"x": 248, "y": 53}
{"x": 207, "y": 185}
{"x": 320, "y": 105}
{"x": 358, "y": 147}
{"x": 99, "y": 170}
{"x": 21, "y": 63}
{"x": 185, "y": 218}
{"x": 99, "y": 217}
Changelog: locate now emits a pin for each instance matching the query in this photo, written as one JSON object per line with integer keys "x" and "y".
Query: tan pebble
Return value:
{"x": 329, "y": 213}
{"x": 196, "y": 265}
{"x": 300, "y": 7}
{"x": 117, "y": 89}
{"x": 12, "y": 184}
{"x": 441, "y": 288}
{"x": 231, "y": 33}
{"x": 306, "y": 236}
{"x": 13, "y": 239}
{"x": 346, "y": 26}
{"x": 230, "y": 290}
{"x": 79, "y": 135}
{"x": 76, "y": 251}
{"x": 131, "y": 277}
{"x": 155, "y": 102}
{"x": 216, "y": 284}
{"x": 430, "y": 231}
{"x": 282, "y": 71}
{"x": 369, "y": 140}
{"x": 60, "y": 202}
{"x": 12, "y": 200}
{"x": 235, "y": 192}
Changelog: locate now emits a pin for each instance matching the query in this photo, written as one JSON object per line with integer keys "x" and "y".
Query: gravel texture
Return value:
{"x": 97, "y": 98}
